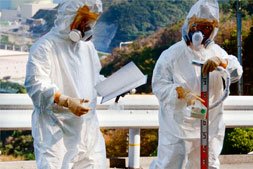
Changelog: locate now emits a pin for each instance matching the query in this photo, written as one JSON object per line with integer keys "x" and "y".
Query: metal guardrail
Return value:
{"x": 139, "y": 112}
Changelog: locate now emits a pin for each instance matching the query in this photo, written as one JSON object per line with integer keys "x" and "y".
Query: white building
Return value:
{"x": 25, "y": 9}
{"x": 13, "y": 64}
{"x": 16, "y": 3}
{"x": 28, "y": 10}
{"x": 9, "y": 15}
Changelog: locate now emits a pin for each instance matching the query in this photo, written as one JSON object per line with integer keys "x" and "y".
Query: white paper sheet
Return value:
{"x": 124, "y": 80}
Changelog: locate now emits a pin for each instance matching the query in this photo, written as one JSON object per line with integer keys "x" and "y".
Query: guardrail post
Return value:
{"x": 134, "y": 149}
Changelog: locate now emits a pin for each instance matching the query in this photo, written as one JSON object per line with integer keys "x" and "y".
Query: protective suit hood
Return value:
{"x": 67, "y": 12}
{"x": 206, "y": 10}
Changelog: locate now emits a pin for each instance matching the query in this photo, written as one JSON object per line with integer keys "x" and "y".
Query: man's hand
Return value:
{"x": 212, "y": 64}
{"x": 188, "y": 95}
{"x": 73, "y": 104}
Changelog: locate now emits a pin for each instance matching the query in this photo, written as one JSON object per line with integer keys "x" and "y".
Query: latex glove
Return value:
{"x": 212, "y": 64}
{"x": 73, "y": 104}
{"x": 188, "y": 95}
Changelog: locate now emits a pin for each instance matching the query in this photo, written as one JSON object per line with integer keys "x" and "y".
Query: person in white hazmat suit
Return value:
{"x": 62, "y": 71}
{"x": 176, "y": 84}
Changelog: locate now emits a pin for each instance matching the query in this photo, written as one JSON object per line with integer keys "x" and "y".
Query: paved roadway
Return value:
{"x": 227, "y": 162}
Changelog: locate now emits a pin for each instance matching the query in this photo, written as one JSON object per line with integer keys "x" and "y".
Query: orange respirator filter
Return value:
{"x": 83, "y": 17}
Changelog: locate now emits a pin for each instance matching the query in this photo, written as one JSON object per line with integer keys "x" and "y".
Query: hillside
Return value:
{"x": 136, "y": 18}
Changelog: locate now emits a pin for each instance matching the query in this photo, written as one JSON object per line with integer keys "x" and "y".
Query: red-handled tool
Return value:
{"x": 204, "y": 122}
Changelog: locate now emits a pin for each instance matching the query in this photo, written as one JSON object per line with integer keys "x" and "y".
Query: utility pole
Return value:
{"x": 239, "y": 42}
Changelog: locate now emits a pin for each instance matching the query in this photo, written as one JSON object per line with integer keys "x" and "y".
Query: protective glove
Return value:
{"x": 212, "y": 64}
{"x": 73, "y": 104}
{"x": 188, "y": 95}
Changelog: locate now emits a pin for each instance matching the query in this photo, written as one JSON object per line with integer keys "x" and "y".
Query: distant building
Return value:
{"x": 28, "y": 10}
{"x": 9, "y": 15}
{"x": 13, "y": 4}
{"x": 23, "y": 8}
{"x": 13, "y": 65}
{"x": 16, "y": 3}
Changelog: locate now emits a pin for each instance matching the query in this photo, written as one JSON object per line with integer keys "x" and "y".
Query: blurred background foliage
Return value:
{"x": 238, "y": 141}
{"x": 136, "y": 18}
{"x": 11, "y": 87}
{"x": 19, "y": 144}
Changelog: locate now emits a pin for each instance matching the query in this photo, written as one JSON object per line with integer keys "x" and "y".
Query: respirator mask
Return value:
{"x": 83, "y": 24}
{"x": 198, "y": 35}
{"x": 196, "y": 39}
{"x": 84, "y": 34}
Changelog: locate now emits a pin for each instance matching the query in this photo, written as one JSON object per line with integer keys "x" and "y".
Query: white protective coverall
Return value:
{"x": 56, "y": 64}
{"x": 179, "y": 136}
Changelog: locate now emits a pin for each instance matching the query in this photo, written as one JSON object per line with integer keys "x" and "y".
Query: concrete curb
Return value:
{"x": 227, "y": 162}
{"x": 236, "y": 159}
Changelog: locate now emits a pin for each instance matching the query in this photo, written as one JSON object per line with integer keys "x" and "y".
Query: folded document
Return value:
{"x": 124, "y": 80}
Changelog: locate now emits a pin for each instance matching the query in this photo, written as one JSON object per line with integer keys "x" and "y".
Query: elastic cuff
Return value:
{"x": 179, "y": 92}
{"x": 57, "y": 97}
{"x": 175, "y": 95}
{"x": 228, "y": 64}
{"x": 224, "y": 65}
